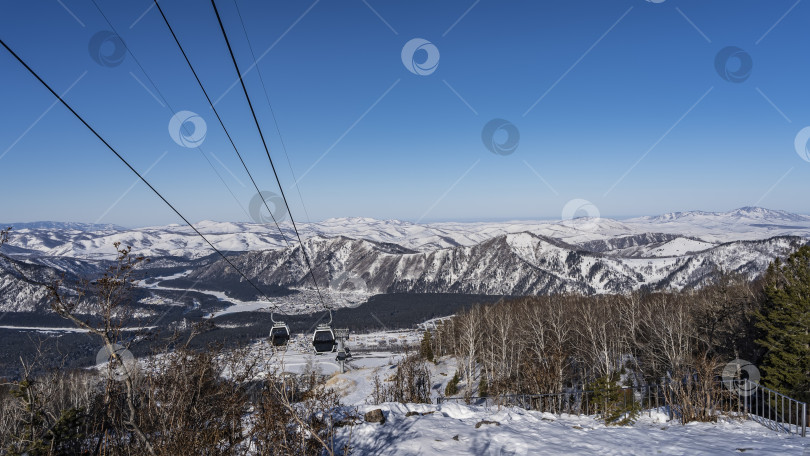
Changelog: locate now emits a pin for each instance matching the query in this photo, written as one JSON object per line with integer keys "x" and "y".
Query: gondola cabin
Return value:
{"x": 279, "y": 334}
{"x": 324, "y": 339}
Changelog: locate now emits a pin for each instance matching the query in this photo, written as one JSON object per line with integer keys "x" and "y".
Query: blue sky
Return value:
{"x": 616, "y": 102}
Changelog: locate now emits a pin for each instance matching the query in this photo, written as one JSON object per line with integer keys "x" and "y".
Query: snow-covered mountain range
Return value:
{"x": 509, "y": 264}
{"x": 698, "y": 230}
{"x": 669, "y": 251}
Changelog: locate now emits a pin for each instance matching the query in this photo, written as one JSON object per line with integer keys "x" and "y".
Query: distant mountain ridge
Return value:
{"x": 77, "y": 226}
{"x": 747, "y": 212}
{"x": 510, "y": 264}
{"x": 93, "y": 241}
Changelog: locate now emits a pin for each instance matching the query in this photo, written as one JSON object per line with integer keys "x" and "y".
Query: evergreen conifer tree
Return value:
{"x": 784, "y": 320}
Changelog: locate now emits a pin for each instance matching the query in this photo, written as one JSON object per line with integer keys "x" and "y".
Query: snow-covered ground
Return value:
{"x": 453, "y": 429}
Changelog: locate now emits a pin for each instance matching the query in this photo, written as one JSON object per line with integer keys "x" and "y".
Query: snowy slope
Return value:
{"x": 450, "y": 429}
{"x": 19, "y": 289}
{"x": 512, "y": 264}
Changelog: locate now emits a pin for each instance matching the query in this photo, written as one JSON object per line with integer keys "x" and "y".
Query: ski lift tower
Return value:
{"x": 343, "y": 353}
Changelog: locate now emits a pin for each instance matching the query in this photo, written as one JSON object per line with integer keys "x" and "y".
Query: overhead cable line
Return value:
{"x": 270, "y": 105}
{"x": 267, "y": 151}
{"x": 272, "y": 111}
{"x": 216, "y": 113}
{"x": 168, "y": 105}
{"x": 143, "y": 179}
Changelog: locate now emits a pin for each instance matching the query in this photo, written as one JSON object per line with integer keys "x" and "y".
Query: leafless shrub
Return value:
{"x": 189, "y": 402}
{"x": 46, "y": 414}
{"x": 294, "y": 417}
{"x": 693, "y": 392}
{"x": 410, "y": 383}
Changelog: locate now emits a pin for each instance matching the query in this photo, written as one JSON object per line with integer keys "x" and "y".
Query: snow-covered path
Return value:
{"x": 450, "y": 429}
